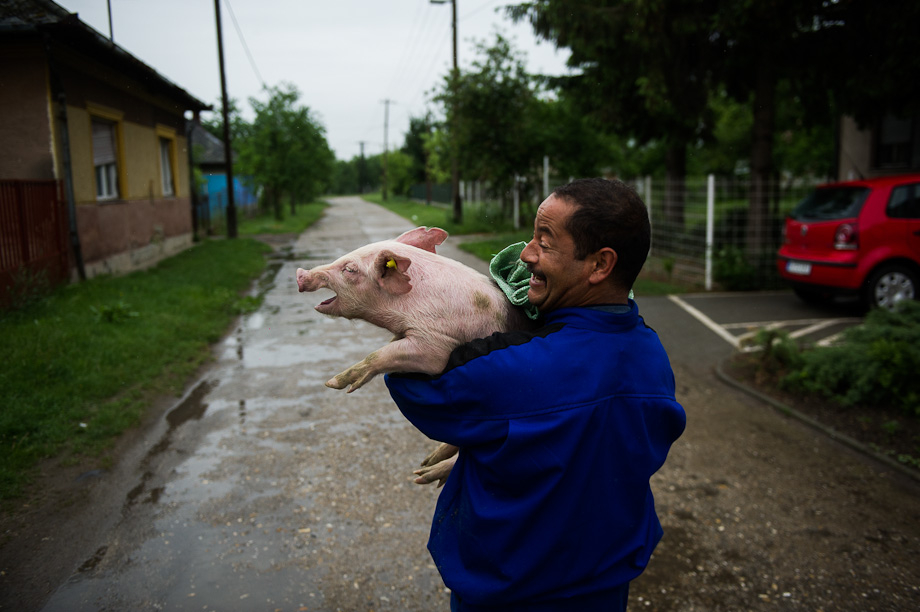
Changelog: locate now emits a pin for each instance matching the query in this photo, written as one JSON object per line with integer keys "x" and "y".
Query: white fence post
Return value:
{"x": 710, "y": 225}
{"x": 545, "y": 176}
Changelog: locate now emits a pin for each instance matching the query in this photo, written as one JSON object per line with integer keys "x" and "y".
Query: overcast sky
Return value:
{"x": 345, "y": 56}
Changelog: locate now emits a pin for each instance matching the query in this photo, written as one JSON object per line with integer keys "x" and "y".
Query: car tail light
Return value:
{"x": 846, "y": 237}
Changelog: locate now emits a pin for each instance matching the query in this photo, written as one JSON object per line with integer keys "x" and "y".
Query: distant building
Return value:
{"x": 890, "y": 146}
{"x": 78, "y": 109}
{"x": 209, "y": 156}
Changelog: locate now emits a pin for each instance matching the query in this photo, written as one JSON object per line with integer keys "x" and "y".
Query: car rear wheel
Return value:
{"x": 889, "y": 285}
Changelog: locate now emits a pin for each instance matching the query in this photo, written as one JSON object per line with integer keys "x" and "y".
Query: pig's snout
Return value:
{"x": 306, "y": 281}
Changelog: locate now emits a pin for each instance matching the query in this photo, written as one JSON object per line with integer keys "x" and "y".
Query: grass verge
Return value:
{"x": 304, "y": 216}
{"x": 81, "y": 366}
{"x": 478, "y": 218}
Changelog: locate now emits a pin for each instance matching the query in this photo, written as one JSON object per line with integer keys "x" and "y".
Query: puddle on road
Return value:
{"x": 192, "y": 407}
{"x": 256, "y": 321}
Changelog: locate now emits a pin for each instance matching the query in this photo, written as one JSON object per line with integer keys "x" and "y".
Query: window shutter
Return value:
{"x": 103, "y": 143}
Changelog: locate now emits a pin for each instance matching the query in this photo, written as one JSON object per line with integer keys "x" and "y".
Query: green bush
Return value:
{"x": 877, "y": 363}
{"x": 732, "y": 271}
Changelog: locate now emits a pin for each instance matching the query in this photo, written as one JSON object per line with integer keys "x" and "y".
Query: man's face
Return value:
{"x": 558, "y": 280}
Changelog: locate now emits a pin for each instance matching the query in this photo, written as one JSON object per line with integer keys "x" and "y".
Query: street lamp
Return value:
{"x": 454, "y": 163}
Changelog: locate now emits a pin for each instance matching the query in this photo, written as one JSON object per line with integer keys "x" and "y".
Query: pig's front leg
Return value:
{"x": 403, "y": 355}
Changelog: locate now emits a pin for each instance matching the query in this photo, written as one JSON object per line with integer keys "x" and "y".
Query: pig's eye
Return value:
{"x": 351, "y": 269}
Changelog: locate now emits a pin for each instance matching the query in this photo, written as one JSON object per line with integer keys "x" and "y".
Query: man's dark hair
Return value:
{"x": 608, "y": 214}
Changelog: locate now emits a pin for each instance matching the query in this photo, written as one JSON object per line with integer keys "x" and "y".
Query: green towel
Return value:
{"x": 513, "y": 277}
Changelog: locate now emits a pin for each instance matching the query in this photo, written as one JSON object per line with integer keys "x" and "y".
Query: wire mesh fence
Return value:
{"x": 708, "y": 232}
{"x": 704, "y": 233}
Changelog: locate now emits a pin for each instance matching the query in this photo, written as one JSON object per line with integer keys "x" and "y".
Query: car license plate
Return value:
{"x": 798, "y": 267}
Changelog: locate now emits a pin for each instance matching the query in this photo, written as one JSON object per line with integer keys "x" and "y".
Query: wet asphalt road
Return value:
{"x": 264, "y": 490}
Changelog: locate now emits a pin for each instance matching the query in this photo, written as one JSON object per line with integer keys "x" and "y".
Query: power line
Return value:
{"x": 411, "y": 41}
{"x": 431, "y": 66}
{"x": 422, "y": 44}
{"x": 239, "y": 33}
{"x": 477, "y": 9}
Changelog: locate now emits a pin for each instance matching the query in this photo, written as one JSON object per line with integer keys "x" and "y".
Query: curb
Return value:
{"x": 828, "y": 431}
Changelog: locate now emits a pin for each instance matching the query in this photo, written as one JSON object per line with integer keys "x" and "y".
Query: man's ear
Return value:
{"x": 390, "y": 270}
{"x": 604, "y": 262}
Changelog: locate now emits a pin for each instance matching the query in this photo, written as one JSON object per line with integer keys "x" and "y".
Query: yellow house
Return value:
{"x": 78, "y": 109}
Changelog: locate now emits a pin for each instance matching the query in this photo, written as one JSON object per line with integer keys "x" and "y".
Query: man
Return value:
{"x": 548, "y": 507}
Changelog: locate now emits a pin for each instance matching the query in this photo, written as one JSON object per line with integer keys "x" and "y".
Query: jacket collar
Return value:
{"x": 594, "y": 318}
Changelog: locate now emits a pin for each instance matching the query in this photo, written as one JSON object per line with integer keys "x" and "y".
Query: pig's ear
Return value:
{"x": 391, "y": 272}
{"x": 424, "y": 238}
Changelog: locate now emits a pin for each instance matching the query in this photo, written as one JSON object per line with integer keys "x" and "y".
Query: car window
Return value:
{"x": 904, "y": 202}
{"x": 831, "y": 203}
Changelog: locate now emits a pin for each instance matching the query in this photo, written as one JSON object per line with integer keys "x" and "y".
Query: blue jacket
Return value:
{"x": 560, "y": 430}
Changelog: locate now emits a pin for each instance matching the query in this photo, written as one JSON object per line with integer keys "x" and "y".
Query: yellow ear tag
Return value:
{"x": 391, "y": 263}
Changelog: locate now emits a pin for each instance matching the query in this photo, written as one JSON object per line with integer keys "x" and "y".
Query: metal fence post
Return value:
{"x": 710, "y": 226}
{"x": 647, "y": 188}
{"x": 517, "y": 202}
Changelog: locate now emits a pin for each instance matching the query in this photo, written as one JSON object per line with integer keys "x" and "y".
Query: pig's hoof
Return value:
{"x": 333, "y": 383}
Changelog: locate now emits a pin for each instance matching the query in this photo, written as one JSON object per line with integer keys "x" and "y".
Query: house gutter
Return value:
{"x": 58, "y": 91}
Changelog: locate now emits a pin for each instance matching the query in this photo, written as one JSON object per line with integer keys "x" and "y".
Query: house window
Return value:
{"x": 166, "y": 169}
{"x": 104, "y": 159}
{"x": 898, "y": 143}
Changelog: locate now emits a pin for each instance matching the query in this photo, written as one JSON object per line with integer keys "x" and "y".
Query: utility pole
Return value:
{"x": 228, "y": 153}
{"x": 386, "y": 122}
{"x": 111, "y": 31}
{"x": 454, "y": 154}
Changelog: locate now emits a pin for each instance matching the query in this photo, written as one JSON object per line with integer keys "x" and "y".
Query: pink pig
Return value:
{"x": 437, "y": 306}
{"x": 431, "y": 308}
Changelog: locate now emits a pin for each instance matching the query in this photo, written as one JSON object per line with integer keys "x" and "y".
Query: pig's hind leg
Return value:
{"x": 439, "y": 471}
{"x": 437, "y": 465}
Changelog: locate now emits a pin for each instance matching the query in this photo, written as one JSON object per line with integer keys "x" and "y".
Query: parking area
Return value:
{"x": 737, "y": 317}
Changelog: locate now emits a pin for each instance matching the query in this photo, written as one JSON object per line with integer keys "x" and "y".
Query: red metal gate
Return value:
{"x": 33, "y": 232}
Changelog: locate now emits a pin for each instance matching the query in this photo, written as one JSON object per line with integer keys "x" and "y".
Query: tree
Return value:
{"x": 572, "y": 140}
{"x": 649, "y": 70}
{"x": 286, "y": 149}
{"x": 239, "y": 128}
{"x": 414, "y": 146}
{"x": 488, "y": 106}
{"x": 420, "y": 129}
{"x": 399, "y": 172}
{"x": 645, "y": 70}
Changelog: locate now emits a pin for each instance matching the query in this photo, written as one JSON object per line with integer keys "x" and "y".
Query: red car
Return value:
{"x": 857, "y": 238}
